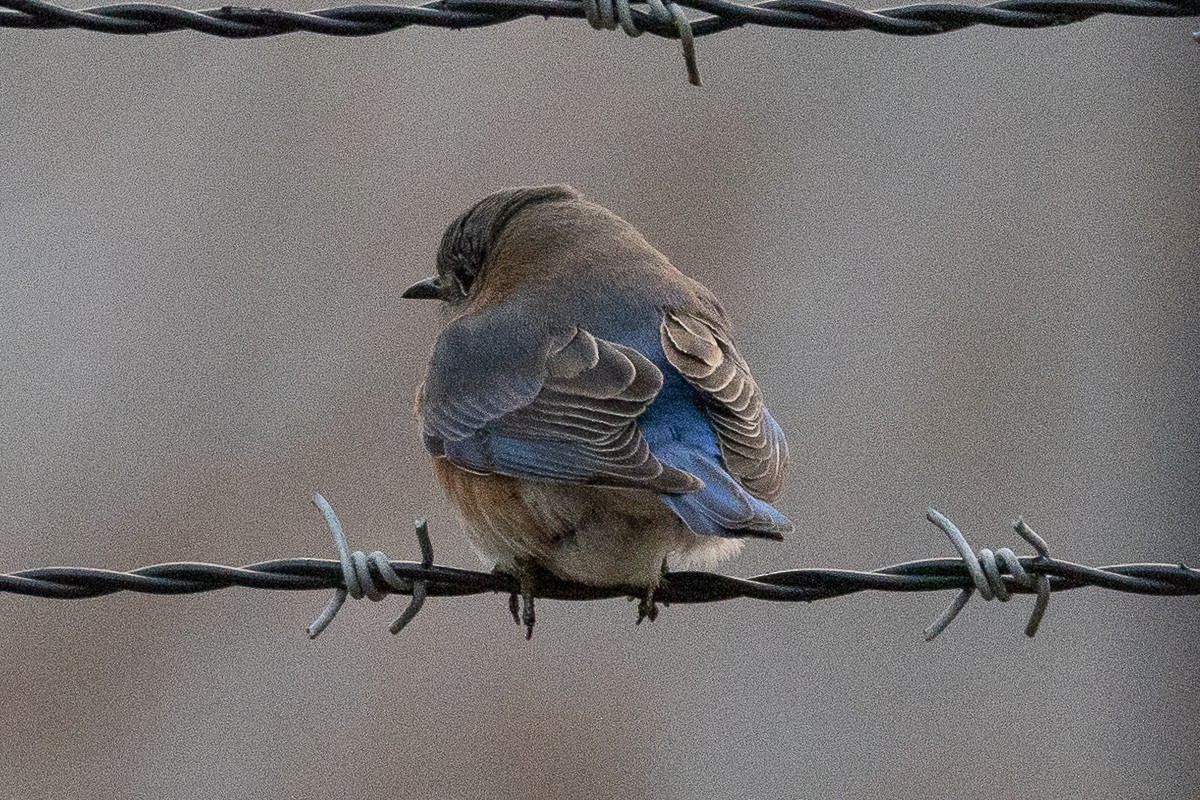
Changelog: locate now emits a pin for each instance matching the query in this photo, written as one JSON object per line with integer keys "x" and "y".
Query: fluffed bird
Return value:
{"x": 584, "y": 405}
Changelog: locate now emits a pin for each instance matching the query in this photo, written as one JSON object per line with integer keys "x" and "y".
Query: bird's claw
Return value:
{"x": 520, "y": 605}
{"x": 527, "y": 618}
{"x": 647, "y": 608}
{"x": 514, "y": 607}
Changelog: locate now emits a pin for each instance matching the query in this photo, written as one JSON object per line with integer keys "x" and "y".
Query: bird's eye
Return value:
{"x": 456, "y": 280}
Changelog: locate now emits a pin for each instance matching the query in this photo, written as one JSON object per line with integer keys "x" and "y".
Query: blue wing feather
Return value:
{"x": 681, "y": 435}
{"x": 507, "y": 393}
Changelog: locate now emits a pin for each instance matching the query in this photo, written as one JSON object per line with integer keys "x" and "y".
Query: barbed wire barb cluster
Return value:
{"x": 665, "y": 18}
{"x": 359, "y": 571}
{"x": 994, "y": 575}
{"x": 987, "y": 577}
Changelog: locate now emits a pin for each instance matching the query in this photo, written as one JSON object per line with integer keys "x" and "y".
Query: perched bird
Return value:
{"x": 584, "y": 404}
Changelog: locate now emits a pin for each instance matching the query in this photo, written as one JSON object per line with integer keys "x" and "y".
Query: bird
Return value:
{"x": 584, "y": 404}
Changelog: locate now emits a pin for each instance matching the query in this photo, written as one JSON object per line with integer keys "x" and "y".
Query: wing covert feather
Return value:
{"x": 559, "y": 406}
{"x": 752, "y": 444}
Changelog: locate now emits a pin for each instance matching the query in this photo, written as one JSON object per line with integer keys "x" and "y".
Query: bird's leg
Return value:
{"x": 520, "y": 602}
{"x": 647, "y": 607}
{"x": 527, "y": 618}
{"x": 526, "y": 579}
{"x": 514, "y": 607}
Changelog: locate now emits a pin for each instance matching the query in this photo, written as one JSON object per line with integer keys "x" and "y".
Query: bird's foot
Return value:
{"x": 527, "y": 617}
{"x": 520, "y": 605}
{"x": 647, "y": 608}
{"x": 520, "y": 602}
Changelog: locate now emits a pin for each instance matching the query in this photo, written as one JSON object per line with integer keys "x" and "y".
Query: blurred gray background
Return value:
{"x": 964, "y": 268}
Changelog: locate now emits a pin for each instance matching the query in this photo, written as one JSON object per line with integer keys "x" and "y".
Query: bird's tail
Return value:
{"x": 723, "y": 507}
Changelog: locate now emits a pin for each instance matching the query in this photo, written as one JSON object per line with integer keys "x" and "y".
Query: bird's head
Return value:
{"x": 468, "y": 241}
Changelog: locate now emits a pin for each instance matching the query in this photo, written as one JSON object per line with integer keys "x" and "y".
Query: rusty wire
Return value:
{"x": 998, "y": 575}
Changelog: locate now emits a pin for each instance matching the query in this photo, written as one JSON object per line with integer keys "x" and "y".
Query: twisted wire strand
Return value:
{"x": 994, "y": 575}
{"x": 666, "y": 19}
{"x": 661, "y": 19}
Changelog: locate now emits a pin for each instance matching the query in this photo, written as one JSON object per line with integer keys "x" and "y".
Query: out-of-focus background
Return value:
{"x": 965, "y": 269}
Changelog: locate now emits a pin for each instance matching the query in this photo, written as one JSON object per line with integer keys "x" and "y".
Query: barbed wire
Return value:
{"x": 665, "y": 19}
{"x": 995, "y": 575}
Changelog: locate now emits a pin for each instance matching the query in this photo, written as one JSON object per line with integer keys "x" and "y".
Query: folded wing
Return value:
{"x": 503, "y": 396}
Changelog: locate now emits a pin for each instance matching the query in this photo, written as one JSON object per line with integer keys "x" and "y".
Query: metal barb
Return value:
{"x": 987, "y": 577}
{"x": 607, "y": 15}
{"x": 947, "y": 616}
{"x": 420, "y": 588}
{"x": 360, "y": 573}
{"x": 1043, "y": 580}
{"x": 1028, "y": 534}
{"x": 339, "y": 594}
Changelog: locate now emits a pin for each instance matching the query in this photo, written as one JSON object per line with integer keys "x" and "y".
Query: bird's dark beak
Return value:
{"x": 428, "y": 289}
